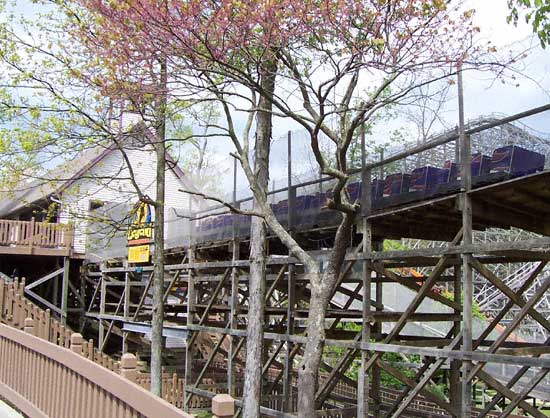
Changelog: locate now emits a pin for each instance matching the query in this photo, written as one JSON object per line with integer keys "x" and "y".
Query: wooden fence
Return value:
{"x": 35, "y": 234}
{"x": 45, "y": 380}
{"x": 18, "y": 312}
{"x": 15, "y": 309}
{"x": 173, "y": 387}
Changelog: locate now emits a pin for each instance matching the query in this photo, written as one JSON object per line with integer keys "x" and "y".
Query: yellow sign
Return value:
{"x": 141, "y": 230}
{"x": 138, "y": 254}
{"x": 140, "y": 235}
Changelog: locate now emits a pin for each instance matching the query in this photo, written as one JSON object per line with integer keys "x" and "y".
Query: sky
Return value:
{"x": 483, "y": 96}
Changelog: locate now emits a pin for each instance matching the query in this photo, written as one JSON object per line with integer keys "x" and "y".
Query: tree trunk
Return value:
{"x": 321, "y": 292}
{"x": 158, "y": 256}
{"x": 308, "y": 373}
{"x": 258, "y": 233}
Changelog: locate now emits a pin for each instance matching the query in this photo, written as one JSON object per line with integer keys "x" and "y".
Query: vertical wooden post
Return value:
{"x": 377, "y": 328}
{"x": 29, "y": 326}
{"x": 363, "y": 387}
{"x": 467, "y": 282}
{"x": 291, "y": 283}
{"x": 31, "y": 235}
{"x": 126, "y": 309}
{"x": 76, "y": 343}
{"x": 128, "y": 364}
{"x": 102, "y": 297}
{"x": 48, "y": 325}
{"x": 234, "y": 290}
{"x": 190, "y": 312}
{"x": 223, "y": 406}
{"x": 455, "y": 387}
{"x": 65, "y": 289}
{"x": 82, "y": 297}
{"x": 287, "y": 377}
{"x": 2, "y": 292}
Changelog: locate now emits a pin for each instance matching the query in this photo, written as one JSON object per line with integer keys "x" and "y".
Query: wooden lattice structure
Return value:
{"x": 206, "y": 304}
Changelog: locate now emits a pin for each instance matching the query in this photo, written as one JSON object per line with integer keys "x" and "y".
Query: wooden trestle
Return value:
{"x": 207, "y": 302}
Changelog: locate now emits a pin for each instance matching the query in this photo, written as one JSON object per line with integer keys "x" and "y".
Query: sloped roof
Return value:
{"x": 64, "y": 175}
{"x": 29, "y": 192}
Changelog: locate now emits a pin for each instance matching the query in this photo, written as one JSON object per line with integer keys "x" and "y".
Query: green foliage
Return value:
{"x": 476, "y": 312}
{"x": 393, "y": 245}
{"x": 537, "y": 12}
{"x": 396, "y": 361}
{"x": 393, "y": 359}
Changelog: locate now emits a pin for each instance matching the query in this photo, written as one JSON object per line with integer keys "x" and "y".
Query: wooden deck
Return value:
{"x": 35, "y": 238}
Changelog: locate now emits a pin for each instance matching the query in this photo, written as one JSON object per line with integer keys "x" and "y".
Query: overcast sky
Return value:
{"x": 483, "y": 96}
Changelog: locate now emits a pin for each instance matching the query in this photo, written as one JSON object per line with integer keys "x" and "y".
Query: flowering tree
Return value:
{"x": 76, "y": 102}
{"x": 337, "y": 63}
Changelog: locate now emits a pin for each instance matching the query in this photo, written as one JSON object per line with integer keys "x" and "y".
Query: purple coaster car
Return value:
{"x": 426, "y": 178}
{"x": 516, "y": 161}
{"x": 395, "y": 184}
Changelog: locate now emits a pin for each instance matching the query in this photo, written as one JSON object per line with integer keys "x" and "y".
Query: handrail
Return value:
{"x": 35, "y": 234}
{"x": 42, "y": 379}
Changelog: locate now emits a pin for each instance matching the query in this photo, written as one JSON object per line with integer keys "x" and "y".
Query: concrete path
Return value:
{"x": 7, "y": 412}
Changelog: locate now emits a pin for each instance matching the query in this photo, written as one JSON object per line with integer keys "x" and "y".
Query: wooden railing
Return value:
{"x": 173, "y": 387}
{"x": 18, "y": 312}
{"x": 44, "y": 380}
{"x": 29, "y": 235}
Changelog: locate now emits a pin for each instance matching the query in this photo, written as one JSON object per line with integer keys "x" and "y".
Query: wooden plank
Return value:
{"x": 500, "y": 285}
{"x": 495, "y": 384}
{"x": 527, "y": 307}
{"x": 424, "y": 381}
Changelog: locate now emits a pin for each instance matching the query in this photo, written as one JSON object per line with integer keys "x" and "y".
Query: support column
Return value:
{"x": 454, "y": 377}
{"x": 82, "y": 297}
{"x": 190, "y": 312}
{"x": 376, "y": 372}
{"x": 467, "y": 275}
{"x": 233, "y": 302}
{"x": 127, "y": 299}
{"x": 233, "y": 291}
{"x": 291, "y": 284}
{"x": 65, "y": 289}
{"x": 287, "y": 378}
{"x": 102, "y": 297}
{"x": 363, "y": 388}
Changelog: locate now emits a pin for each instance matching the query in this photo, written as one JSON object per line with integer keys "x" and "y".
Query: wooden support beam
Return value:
{"x": 342, "y": 364}
{"x": 518, "y": 300}
{"x": 209, "y": 361}
{"x": 527, "y": 307}
{"x": 424, "y": 381}
{"x": 213, "y": 297}
{"x": 426, "y": 393}
{"x": 143, "y": 295}
{"x": 409, "y": 282}
{"x": 502, "y": 313}
{"x": 529, "y": 386}
{"x": 415, "y": 303}
{"x": 191, "y": 299}
{"x": 287, "y": 369}
{"x": 233, "y": 302}
{"x": 508, "y": 393}
{"x": 520, "y": 373}
{"x": 110, "y": 328}
{"x": 275, "y": 283}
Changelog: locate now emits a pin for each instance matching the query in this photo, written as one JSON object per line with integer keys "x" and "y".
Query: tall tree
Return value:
{"x": 337, "y": 59}
{"x": 79, "y": 92}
